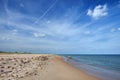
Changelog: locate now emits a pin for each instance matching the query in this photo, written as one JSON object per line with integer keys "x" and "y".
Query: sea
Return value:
{"x": 105, "y": 67}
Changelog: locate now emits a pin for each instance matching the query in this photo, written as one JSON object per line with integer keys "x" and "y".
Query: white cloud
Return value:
{"x": 14, "y": 32}
{"x": 98, "y": 11}
{"x": 118, "y": 4}
{"x": 48, "y": 22}
{"x": 21, "y": 5}
{"x": 119, "y": 28}
{"x": 39, "y": 35}
{"x": 5, "y": 38}
{"x": 87, "y": 32}
{"x": 112, "y": 30}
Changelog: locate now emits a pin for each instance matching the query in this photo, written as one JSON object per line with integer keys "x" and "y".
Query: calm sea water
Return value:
{"x": 106, "y": 67}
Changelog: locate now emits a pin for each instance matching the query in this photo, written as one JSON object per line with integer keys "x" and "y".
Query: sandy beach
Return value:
{"x": 39, "y": 67}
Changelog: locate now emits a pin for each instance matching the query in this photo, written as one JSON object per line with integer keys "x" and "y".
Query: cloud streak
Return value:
{"x": 52, "y": 5}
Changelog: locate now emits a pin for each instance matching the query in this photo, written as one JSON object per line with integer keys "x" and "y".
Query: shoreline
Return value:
{"x": 96, "y": 71}
{"x": 39, "y": 67}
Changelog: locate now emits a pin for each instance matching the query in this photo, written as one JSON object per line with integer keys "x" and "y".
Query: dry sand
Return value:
{"x": 38, "y": 67}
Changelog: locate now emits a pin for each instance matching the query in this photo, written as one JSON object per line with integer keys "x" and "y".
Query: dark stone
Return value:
{"x": 35, "y": 73}
{"x": 3, "y": 63}
{"x": 2, "y": 66}
{"x": 44, "y": 58}
{"x": 9, "y": 66}
{"x": 26, "y": 73}
{"x": 12, "y": 67}
{"x": 2, "y": 71}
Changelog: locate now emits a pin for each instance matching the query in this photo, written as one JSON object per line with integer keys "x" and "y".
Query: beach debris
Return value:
{"x": 69, "y": 57}
{"x": 16, "y": 67}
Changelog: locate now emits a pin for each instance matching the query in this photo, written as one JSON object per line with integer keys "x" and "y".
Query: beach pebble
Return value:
{"x": 15, "y": 67}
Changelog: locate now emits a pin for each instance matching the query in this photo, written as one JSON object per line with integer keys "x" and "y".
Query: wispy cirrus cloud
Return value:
{"x": 39, "y": 35}
{"x": 66, "y": 33}
{"x": 48, "y": 9}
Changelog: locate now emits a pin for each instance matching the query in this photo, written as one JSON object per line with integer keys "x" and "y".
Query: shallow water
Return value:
{"x": 105, "y": 67}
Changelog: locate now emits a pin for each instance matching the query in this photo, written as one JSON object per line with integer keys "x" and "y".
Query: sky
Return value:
{"x": 60, "y": 26}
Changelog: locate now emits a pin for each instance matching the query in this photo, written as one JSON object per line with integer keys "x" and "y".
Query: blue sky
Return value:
{"x": 60, "y": 26}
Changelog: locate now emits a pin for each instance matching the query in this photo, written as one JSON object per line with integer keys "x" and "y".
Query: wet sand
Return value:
{"x": 38, "y": 67}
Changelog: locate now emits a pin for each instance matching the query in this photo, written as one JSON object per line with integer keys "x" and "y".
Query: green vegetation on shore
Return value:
{"x": 4, "y": 52}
